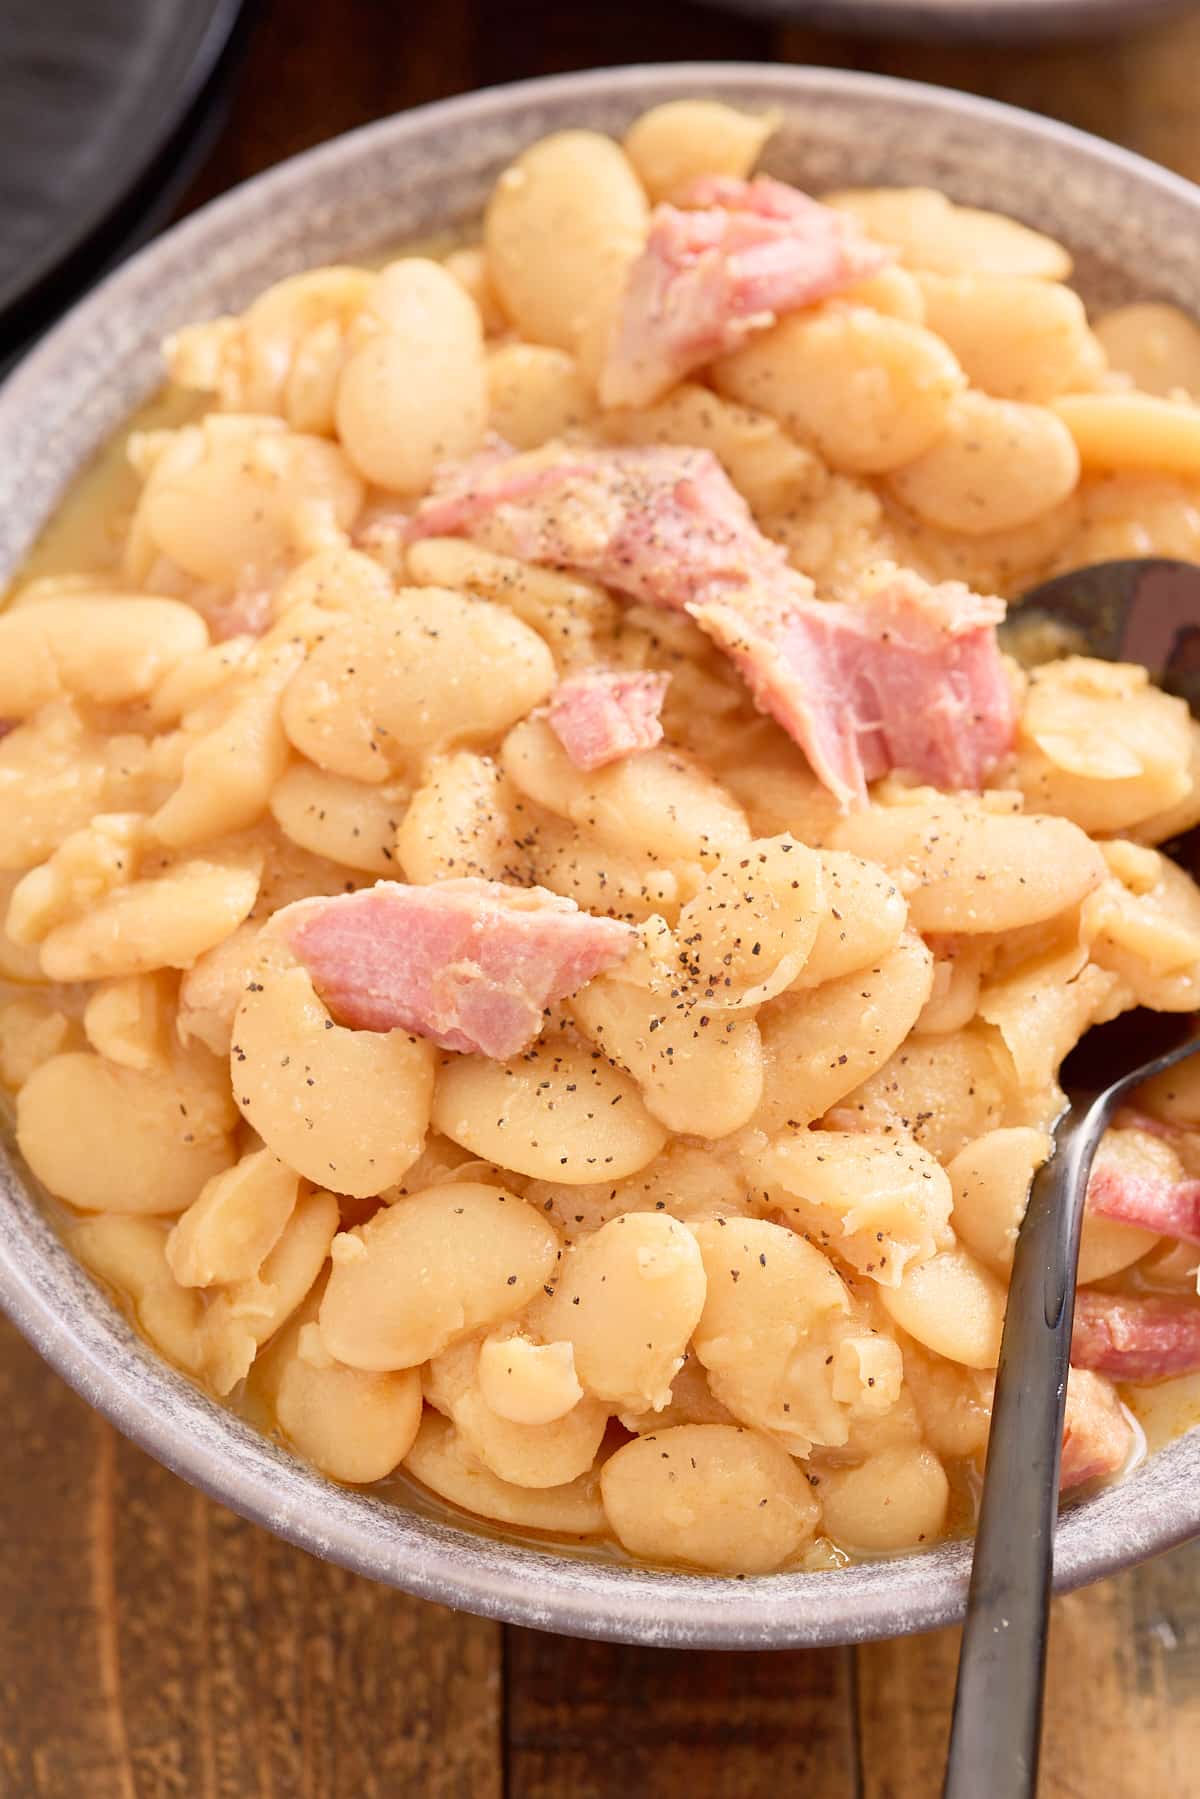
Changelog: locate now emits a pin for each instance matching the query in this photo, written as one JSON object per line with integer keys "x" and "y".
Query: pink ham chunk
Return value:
{"x": 601, "y": 716}
{"x": 1142, "y": 1337}
{"x": 910, "y": 676}
{"x": 470, "y": 964}
{"x": 726, "y": 263}
{"x": 1097, "y": 1434}
{"x": 246, "y": 614}
{"x": 660, "y": 524}
{"x": 1132, "y": 1118}
{"x": 1133, "y": 1187}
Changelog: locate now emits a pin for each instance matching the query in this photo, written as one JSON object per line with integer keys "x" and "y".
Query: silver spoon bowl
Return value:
{"x": 1145, "y": 610}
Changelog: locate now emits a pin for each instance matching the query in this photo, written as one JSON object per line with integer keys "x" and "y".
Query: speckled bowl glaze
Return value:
{"x": 1135, "y": 231}
{"x": 978, "y": 21}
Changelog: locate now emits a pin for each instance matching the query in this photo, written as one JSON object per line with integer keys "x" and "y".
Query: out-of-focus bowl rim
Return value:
{"x": 66, "y": 398}
{"x": 969, "y": 21}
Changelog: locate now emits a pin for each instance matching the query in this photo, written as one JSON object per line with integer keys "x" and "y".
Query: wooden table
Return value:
{"x": 154, "y": 1646}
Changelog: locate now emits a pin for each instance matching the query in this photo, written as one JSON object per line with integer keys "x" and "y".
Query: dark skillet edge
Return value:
{"x": 139, "y": 196}
{"x": 82, "y": 381}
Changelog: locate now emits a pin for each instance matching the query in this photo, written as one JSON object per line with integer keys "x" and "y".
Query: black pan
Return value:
{"x": 103, "y": 106}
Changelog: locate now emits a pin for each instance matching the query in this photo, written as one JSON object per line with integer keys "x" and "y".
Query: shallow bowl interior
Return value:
{"x": 1135, "y": 231}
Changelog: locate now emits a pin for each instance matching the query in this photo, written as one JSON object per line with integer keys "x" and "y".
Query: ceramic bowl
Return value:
{"x": 1135, "y": 231}
{"x": 979, "y": 21}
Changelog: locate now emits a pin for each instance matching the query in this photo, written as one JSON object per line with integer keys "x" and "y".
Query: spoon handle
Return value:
{"x": 996, "y": 1728}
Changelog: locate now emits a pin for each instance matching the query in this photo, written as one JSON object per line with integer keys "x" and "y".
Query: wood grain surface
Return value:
{"x": 153, "y": 1646}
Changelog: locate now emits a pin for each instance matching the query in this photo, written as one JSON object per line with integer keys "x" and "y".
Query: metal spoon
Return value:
{"x": 1145, "y": 610}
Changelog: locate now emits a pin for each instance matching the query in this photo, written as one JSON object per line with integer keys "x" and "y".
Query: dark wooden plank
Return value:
{"x": 155, "y": 1646}
{"x": 597, "y": 1721}
{"x": 903, "y": 1692}
{"x": 312, "y": 71}
{"x": 61, "y": 1726}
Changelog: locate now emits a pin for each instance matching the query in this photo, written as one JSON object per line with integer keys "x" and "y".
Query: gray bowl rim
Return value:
{"x": 54, "y": 1303}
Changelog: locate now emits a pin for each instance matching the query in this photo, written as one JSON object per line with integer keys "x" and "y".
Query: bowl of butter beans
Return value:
{"x": 544, "y": 889}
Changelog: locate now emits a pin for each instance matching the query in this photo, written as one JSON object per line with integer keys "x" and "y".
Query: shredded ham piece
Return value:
{"x": 1151, "y": 1201}
{"x": 470, "y": 964}
{"x": 246, "y": 614}
{"x": 1130, "y": 1118}
{"x": 602, "y": 715}
{"x": 1097, "y": 1435}
{"x": 908, "y": 676}
{"x": 1135, "y": 1337}
{"x": 726, "y": 262}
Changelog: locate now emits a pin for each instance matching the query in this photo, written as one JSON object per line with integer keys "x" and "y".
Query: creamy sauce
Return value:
{"x": 88, "y": 526}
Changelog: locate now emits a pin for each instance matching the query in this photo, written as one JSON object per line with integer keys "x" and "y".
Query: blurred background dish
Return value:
{"x": 995, "y": 20}
{"x": 106, "y": 107}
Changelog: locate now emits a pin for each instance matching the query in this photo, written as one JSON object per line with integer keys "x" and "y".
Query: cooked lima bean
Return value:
{"x": 881, "y": 1202}
{"x": 110, "y": 649}
{"x": 1100, "y": 745}
{"x": 674, "y": 143}
{"x": 535, "y": 393}
{"x": 558, "y": 1113}
{"x": 139, "y": 1140}
{"x": 1133, "y": 431}
{"x": 414, "y": 390}
{"x": 1016, "y": 338}
{"x": 952, "y": 1305}
{"x": 354, "y": 1426}
{"x": 869, "y": 392}
{"x": 439, "y": 1459}
{"x": 991, "y": 1178}
{"x": 997, "y": 465}
{"x": 563, "y": 224}
{"x": 245, "y": 498}
{"x": 549, "y": 1453}
{"x": 529, "y": 1383}
{"x": 963, "y": 869}
{"x": 346, "y": 821}
{"x": 234, "y": 1223}
{"x": 1157, "y": 345}
{"x": 429, "y": 1270}
{"x": 627, "y": 1300}
{"x": 426, "y": 671}
{"x": 699, "y": 1071}
{"x": 764, "y": 1335}
{"x": 244, "y": 1315}
{"x": 931, "y": 232}
{"x": 346, "y": 1108}
{"x": 709, "y": 1496}
{"x": 819, "y": 1045}
{"x": 894, "y": 1500}
{"x": 945, "y": 1090}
